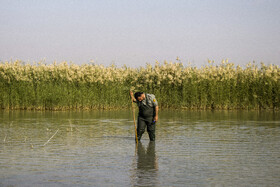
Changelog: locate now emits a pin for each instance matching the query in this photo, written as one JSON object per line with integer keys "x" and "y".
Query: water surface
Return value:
{"x": 97, "y": 148}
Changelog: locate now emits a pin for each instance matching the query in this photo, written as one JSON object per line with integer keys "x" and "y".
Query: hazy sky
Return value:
{"x": 134, "y": 32}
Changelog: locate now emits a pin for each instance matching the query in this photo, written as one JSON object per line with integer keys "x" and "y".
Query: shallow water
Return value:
{"x": 97, "y": 148}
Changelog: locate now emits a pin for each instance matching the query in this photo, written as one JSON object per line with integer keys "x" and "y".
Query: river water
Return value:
{"x": 97, "y": 148}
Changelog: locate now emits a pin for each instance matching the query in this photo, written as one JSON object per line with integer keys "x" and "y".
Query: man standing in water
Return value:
{"x": 148, "y": 113}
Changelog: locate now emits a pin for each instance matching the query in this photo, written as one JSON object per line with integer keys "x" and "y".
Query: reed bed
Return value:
{"x": 66, "y": 86}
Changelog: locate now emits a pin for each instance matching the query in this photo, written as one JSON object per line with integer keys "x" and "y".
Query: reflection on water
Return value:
{"x": 97, "y": 148}
{"x": 147, "y": 166}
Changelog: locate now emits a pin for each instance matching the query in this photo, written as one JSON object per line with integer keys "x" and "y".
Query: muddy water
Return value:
{"x": 97, "y": 148}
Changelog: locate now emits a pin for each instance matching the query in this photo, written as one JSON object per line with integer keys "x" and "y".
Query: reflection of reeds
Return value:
{"x": 72, "y": 126}
{"x": 71, "y": 129}
{"x": 5, "y": 138}
{"x": 50, "y": 138}
{"x": 69, "y": 86}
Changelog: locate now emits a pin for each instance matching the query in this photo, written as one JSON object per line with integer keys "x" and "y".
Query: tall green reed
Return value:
{"x": 66, "y": 86}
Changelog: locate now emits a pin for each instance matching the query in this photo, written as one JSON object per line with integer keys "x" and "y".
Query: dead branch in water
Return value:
{"x": 51, "y": 137}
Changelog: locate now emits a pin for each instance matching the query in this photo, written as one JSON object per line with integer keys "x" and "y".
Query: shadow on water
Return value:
{"x": 146, "y": 168}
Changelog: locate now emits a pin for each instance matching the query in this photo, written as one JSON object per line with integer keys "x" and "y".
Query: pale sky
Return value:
{"x": 136, "y": 32}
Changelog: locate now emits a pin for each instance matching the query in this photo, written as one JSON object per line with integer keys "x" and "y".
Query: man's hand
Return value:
{"x": 156, "y": 115}
{"x": 156, "y": 118}
{"x": 131, "y": 94}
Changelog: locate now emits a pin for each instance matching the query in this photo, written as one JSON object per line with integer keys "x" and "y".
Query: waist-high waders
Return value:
{"x": 145, "y": 118}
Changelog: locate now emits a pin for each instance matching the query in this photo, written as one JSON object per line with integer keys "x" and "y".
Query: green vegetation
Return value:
{"x": 68, "y": 86}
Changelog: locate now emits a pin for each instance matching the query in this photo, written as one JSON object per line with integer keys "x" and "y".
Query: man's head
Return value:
{"x": 139, "y": 96}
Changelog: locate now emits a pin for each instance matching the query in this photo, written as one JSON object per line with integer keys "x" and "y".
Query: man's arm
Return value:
{"x": 156, "y": 116}
{"x": 155, "y": 104}
{"x": 132, "y": 96}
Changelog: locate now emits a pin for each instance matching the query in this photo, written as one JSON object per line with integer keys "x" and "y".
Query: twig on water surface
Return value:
{"x": 51, "y": 137}
{"x": 78, "y": 129}
{"x": 5, "y": 138}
